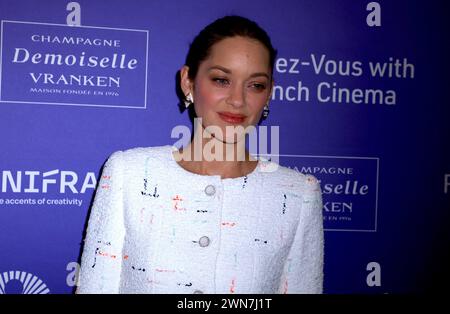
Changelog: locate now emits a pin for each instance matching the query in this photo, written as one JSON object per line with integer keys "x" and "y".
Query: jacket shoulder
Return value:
{"x": 134, "y": 160}
{"x": 139, "y": 153}
{"x": 296, "y": 179}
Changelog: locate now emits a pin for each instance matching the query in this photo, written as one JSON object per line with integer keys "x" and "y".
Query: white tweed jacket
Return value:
{"x": 155, "y": 227}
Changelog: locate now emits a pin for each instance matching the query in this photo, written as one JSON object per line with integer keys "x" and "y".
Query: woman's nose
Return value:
{"x": 236, "y": 96}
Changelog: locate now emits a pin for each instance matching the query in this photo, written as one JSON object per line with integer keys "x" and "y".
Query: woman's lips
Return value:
{"x": 231, "y": 118}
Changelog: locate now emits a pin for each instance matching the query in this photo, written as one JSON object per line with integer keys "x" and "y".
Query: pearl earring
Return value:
{"x": 189, "y": 100}
{"x": 266, "y": 111}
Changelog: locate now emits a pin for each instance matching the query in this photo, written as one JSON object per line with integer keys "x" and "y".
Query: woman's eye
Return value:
{"x": 258, "y": 86}
{"x": 220, "y": 81}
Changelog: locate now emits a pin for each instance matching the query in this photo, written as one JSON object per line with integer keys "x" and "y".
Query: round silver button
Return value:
{"x": 198, "y": 292}
{"x": 210, "y": 190}
{"x": 203, "y": 241}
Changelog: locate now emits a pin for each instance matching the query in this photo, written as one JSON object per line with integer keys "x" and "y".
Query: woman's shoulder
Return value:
{"x": 286, "y": 176}
{"x": 147, "y": 151}
{"x": 138, "y": 157}
{"x": 140, "y": 152}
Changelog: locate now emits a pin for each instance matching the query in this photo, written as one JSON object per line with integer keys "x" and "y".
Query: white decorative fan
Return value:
{"x": 30, "y": 283}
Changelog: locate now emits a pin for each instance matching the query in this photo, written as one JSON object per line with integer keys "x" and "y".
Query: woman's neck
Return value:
{"x": 209, "y": 156}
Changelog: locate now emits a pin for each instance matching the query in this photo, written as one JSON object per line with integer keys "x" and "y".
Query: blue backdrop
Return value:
{"x": 360, "y": 100}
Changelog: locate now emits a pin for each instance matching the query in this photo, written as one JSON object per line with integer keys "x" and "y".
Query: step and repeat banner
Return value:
{"x": 360, "y": 101}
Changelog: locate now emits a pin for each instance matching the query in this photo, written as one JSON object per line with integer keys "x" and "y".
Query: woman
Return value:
{"x": 165, "y": 222}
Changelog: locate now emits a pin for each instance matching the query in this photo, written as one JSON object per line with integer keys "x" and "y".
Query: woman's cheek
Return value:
{"x": 257, "y": 102}
{"x": 210, "y": 97}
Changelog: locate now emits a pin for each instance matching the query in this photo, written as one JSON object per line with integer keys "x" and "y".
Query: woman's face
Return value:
{"x": 234, "y": 80}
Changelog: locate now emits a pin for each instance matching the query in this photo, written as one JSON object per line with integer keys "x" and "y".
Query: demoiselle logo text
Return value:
{"x": 349, "y": 189}
{"x": 43, "y": 63}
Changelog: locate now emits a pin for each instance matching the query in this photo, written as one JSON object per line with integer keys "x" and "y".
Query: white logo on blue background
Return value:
{"x": 349, "y": 189}
{"x": 43, "y": 63}
{"x": 20, "y": 282}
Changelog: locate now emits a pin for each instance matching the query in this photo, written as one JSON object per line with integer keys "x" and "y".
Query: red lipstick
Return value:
{"x": 231, "y": 117}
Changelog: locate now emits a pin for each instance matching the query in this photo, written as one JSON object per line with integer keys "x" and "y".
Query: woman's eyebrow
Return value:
{"x": 218, "y": 67}
{"x": 260, "y": 74}
{"x": 221, "y": 68}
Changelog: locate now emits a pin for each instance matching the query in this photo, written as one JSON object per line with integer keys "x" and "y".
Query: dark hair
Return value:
{"x": 227, "y": 26}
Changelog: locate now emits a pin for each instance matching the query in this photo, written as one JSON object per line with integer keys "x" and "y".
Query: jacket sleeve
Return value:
{"x": 303, "y": 270}
{"x": 101, "y": 260}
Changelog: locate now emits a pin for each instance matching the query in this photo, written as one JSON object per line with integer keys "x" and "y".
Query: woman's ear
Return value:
{"x": 185, "y": 83}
